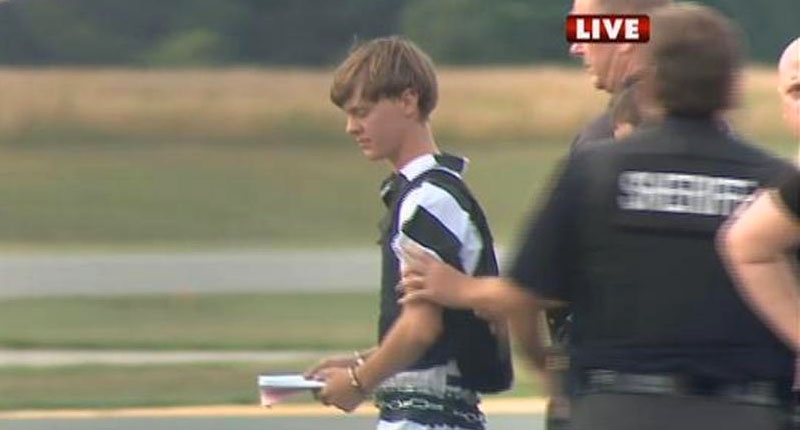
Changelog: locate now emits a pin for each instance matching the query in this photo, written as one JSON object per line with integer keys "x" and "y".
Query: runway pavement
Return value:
{"x": 67, "y": 357}
{"x": 503, "y": 414}
{"x": 500, "y": 422}
{"x": 339, "y": 270}
{"x": 199, "y": 272}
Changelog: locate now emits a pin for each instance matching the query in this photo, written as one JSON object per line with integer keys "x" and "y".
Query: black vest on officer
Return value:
{"x": 464, "y": 334}
{"x": 649, "y": 291}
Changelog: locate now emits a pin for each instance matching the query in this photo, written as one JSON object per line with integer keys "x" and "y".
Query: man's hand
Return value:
{"x": 427, "y": 278}
{"x": 339, "y": 391}
{"x": 336, "y": 361}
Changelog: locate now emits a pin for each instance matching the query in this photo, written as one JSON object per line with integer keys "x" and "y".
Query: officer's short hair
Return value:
{"x": 629, "y": 6}
{"x": 384, "y": 68}
{"x": 693, "y": 59}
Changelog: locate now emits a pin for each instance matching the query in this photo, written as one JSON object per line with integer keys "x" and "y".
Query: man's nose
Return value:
{"x": 576, "y": 49}
{"x": 352, "y": 126}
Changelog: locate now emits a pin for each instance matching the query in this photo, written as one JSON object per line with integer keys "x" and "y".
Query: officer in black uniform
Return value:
{"x": 614, "y": 69}
{"x": 660, "y": 338}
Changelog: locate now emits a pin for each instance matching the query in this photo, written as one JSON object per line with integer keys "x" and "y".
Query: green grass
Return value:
{"x": 128, "y": 386}
{"x": 125, "y": 195}
{"x": 210, "y": 196}
{"x": 212, "y": 322}
{"x": 217, "y": 322}
{"x": 95, "y": 386}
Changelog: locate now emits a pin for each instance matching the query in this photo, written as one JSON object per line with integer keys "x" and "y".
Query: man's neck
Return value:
{"x": 416, "y": 144}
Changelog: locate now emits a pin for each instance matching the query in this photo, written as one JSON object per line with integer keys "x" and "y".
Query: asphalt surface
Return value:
{"x": 500, "y": 422}
{"x": 503, "y": 414}
{"x": 200, "y": 272}
{"x": 210, "y": 272}
{"x": 62, "y": 357}
{"x": 336, "y": 270}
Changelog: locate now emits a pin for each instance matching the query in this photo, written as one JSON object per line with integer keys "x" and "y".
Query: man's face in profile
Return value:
{"x": 789, "y": 86}
{"x": 598, "y": 58}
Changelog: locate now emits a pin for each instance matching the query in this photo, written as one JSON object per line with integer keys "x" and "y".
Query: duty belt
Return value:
{"x": 761, "y": 393}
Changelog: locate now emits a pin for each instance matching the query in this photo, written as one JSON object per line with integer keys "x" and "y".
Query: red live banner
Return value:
{"x": 607, "y": 28}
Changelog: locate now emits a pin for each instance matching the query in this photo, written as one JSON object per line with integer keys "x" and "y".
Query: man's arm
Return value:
{"x": 416, "y": 329}
{"x": 414, "y": 332}
{"x": 495, "y": 298}
{"x": 756, "y": 246}
{"x": 428, "y": 217}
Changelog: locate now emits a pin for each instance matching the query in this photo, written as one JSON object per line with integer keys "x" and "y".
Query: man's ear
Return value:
{"x": 410, "y": 100}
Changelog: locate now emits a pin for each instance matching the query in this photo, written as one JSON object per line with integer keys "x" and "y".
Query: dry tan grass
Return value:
{"x": 215, "y": 102}
{"x": 515, "y": 103}
{"x": 477, "y": 104}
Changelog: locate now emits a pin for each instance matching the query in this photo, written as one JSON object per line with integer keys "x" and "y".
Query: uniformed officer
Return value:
{"x": 613, "y": 68}
{"x": 758, "y": 245}
{"x": 761, "y": 245}
{"x": 626, "y": 238}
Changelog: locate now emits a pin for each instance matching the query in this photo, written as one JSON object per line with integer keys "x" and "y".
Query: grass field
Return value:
{"x": 342, "y": 321}
{"x": 189, "y": 196}
{"x": 120, "y": 159}
{"x": 206, "y": 159}
{"x": 94, "y": 386}
{"x": 290, "y": 106}
{"x": 212, "y": 322}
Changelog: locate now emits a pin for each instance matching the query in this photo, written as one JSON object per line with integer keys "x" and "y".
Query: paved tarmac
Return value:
{"x": 199, "y": 272}
{"x": 262, "y": 271}
{"x": 66, "y": 357}
{"x": 338, "y": 270}
{"x": 500, "y": 422}
{"x": 503, "y": 414}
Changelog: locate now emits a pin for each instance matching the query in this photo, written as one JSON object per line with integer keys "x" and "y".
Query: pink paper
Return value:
{"x": 271, "y": 396}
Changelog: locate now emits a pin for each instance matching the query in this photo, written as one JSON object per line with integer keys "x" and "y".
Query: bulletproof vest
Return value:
{"x": 647, "y": 250}
{"x": 483, "y": 359}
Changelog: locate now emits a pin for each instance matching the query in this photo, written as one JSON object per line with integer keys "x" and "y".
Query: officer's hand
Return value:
{"x": 427, "y": 278}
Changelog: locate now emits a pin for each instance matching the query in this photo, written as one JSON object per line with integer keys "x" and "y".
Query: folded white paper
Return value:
{"x": 288, "y": 381}
{"x": 275, "y": 388}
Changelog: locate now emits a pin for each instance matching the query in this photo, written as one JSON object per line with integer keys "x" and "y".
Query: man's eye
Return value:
{"x": 361, "y": 112}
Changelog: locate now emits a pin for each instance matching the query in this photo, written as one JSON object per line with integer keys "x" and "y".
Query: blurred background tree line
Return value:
{"x": 317, "y": 32}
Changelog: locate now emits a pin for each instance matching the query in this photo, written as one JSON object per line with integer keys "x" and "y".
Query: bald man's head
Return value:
{"x": 789, "y": 85}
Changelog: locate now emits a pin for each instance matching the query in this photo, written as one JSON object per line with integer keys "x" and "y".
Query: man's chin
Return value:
{"x": 371, "y": 155}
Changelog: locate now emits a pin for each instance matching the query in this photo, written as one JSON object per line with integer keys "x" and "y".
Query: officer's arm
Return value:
{"x": 756, "y": 247}
{"x": 501, "y": 297}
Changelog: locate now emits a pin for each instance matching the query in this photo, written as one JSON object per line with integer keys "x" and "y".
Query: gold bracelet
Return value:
{"x": 354, "y": 382}
{"x": 359, "y": 358}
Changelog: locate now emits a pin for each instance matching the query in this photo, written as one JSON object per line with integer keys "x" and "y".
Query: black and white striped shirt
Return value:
{"x": 435, "y": 218}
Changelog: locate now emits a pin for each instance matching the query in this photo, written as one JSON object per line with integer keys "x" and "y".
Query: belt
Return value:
{"x": 761, "y": 393}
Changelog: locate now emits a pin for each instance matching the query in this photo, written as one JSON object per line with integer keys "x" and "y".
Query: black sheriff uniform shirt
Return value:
{"x": 627, "y": 238}
{"x": 789, "y": 194}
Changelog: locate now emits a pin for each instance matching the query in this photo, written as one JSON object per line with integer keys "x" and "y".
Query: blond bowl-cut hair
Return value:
{"x": 385, "y": 68}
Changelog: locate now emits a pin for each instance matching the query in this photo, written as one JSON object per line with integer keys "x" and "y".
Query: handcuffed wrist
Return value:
{"x": 355, "y": 382}
{"x": 359, "y": 358}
